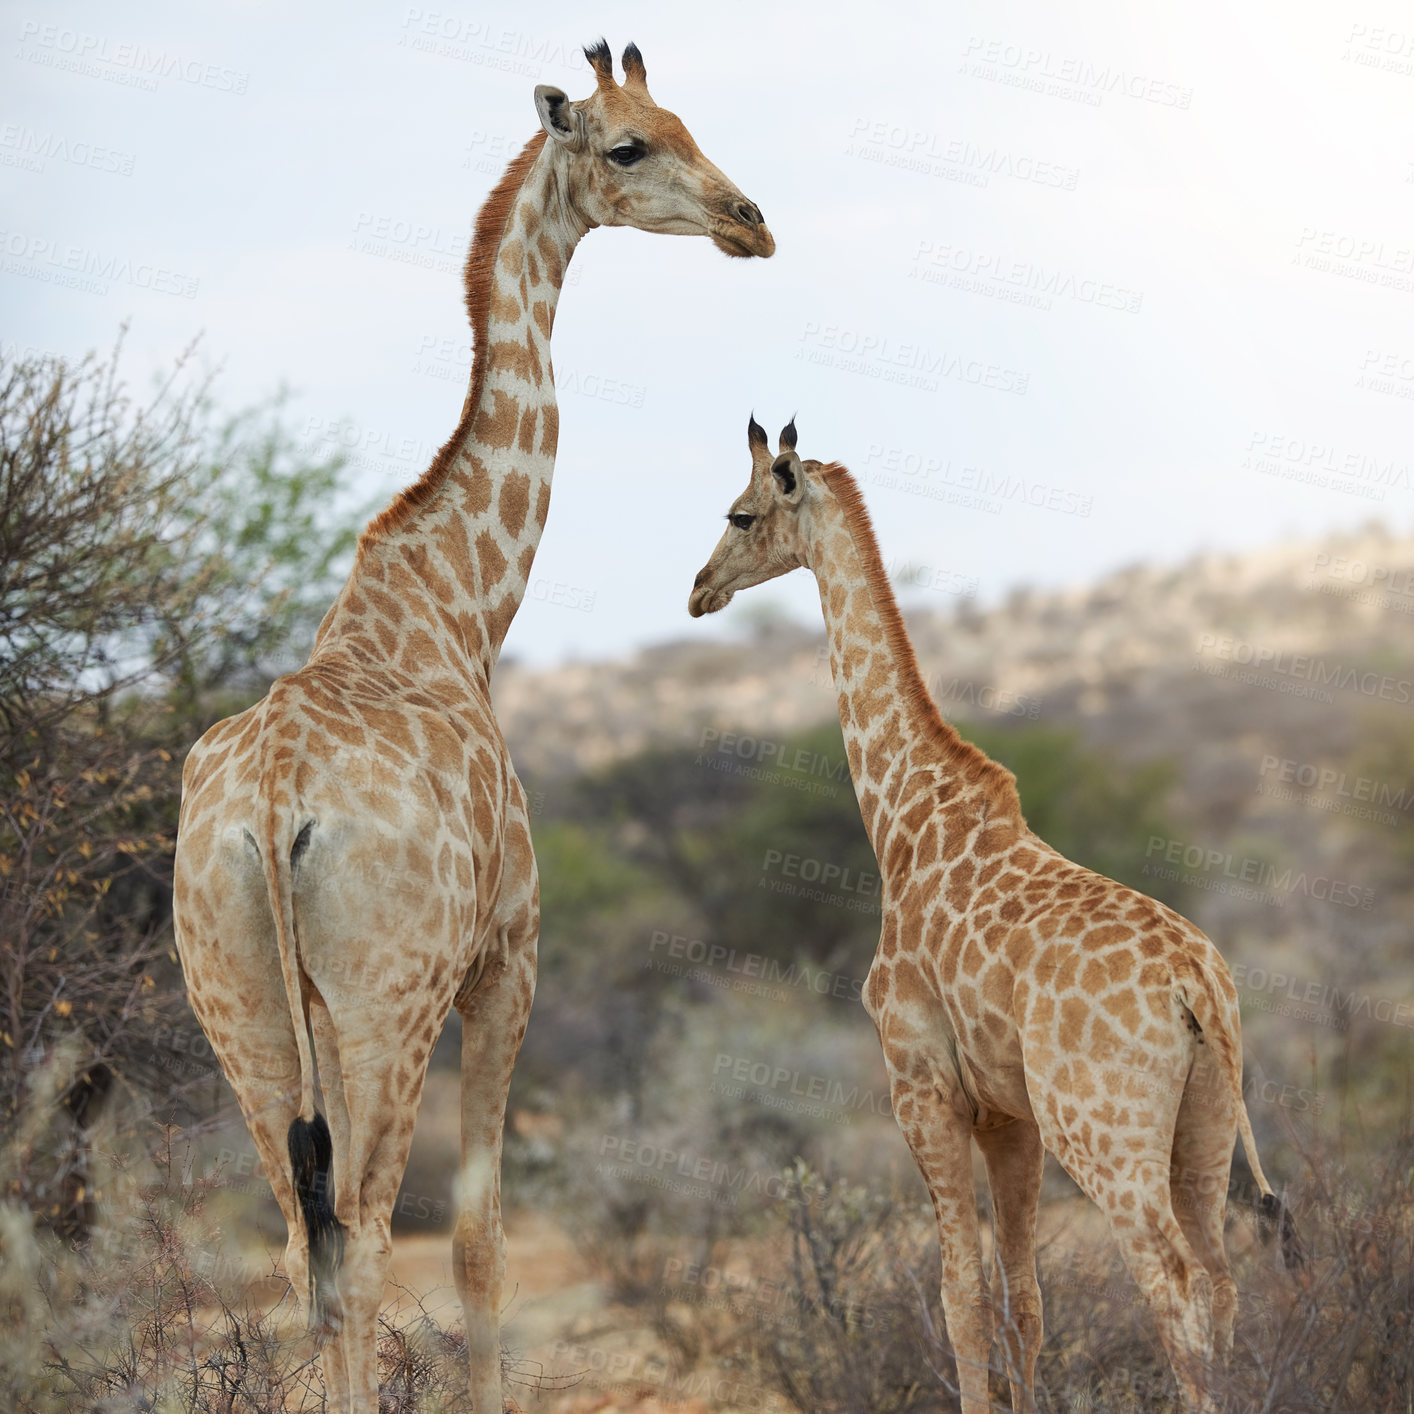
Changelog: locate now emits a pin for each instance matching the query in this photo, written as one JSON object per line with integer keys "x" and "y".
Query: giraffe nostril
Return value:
{"x": 748, "y": 213}
{"x": 701, "y": 575}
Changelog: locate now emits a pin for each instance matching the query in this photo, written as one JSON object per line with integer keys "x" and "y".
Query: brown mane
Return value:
{"x": 485, "y": 240}
{"x": 970, "y": 761}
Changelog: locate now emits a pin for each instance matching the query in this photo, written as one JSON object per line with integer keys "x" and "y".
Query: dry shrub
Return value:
{"x": 1334, "y": 1335}
{"x": 154, "y": 1308}
{"x": 847, "y": 1318}
{"x": 139, "y": 1313}
{"x": 840, "y": 1328}
{"x": 155, "y": 563}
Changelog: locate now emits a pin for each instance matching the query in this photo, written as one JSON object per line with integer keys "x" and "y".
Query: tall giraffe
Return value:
{"x": 354, "y": 854}
{"x": 1021, "y": 1001}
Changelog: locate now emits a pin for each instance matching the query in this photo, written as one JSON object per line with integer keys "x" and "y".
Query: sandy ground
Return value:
{"x": 548, "y": 1290}
{"x": 569, "y": 1350}
{"x": 560, "y": 1328}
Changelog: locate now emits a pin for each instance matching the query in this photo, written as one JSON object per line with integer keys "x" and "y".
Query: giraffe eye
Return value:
{"x": 742, "y": 522}
{"x": 626, "y": 154}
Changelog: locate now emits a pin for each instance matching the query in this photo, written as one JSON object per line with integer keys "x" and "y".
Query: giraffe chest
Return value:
{"x": 959, "y": 940}
{"x": 941, "y": 997}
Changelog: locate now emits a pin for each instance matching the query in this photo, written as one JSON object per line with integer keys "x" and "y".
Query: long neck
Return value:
{"x": 456, "y": 548}
{"x": 891, "y": 725}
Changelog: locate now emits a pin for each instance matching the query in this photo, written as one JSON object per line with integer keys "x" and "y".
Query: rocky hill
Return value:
{"x": 1283, "y": 648}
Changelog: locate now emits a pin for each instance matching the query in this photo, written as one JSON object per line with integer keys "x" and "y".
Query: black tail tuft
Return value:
{"x": 1273, "y": 1213}
{"x": 311, "y": 1162}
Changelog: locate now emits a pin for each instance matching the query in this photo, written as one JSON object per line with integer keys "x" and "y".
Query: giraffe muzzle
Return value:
{"x": 704, "y": 599}
{"x": 742, "y": 230}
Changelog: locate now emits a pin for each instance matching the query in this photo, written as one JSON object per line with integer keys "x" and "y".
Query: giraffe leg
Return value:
{"x": 494, "y": 1016}
{"x": 1015, "y": 1157}
{"x": 1113, "y": 1130}
{"x": 1134, "y": 1194}
{"x": 1202, "y": 1162}
{"x": 1173, "y": 1279}
{"x": 268, "y": 1104}
{"x": 380, "y": 1070}
{"x": 940, "y": 1140}
{"x": 243, "y": 1009}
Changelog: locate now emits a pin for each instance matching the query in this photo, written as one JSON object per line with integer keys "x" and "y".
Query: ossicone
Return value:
{"x": 635, "y": 75}
{"x": 601, "y": 60}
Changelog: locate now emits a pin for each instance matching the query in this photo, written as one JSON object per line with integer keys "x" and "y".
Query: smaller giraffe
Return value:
{"x": 1022, "y": 1001}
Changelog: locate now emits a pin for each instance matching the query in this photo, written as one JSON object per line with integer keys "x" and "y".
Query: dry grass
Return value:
{"x": 830, "y": 1306}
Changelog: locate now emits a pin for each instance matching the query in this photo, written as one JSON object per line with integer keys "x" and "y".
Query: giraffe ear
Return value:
{"x": 559, "y": 117}
{"x": 789, "y": 477}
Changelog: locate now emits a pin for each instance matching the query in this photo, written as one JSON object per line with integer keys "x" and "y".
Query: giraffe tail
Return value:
{"x": 1272, "y": 1213}
{"x": 311, "y": 1159}
{"x": 310, "y": 1144}
{"x": 1218, "y": 1023}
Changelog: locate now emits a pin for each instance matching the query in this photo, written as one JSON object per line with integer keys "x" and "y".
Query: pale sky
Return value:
{"x": 1067, "y": 290}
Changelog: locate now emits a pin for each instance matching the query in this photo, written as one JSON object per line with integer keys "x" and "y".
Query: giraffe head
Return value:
{"x": 627, "y": 162}
{"x": 764, "y": 535}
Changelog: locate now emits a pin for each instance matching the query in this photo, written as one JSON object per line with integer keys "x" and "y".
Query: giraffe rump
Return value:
{"x": 311, "y": 1163}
